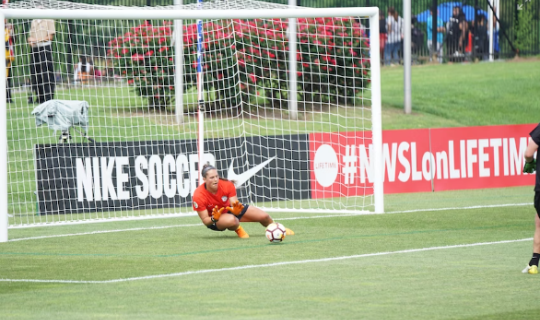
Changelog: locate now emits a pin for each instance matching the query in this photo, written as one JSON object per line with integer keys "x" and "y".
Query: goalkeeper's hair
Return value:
{"x": 207, "y": 167}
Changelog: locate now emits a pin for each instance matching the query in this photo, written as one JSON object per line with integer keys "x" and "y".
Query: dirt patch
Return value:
{"x": 524, "y": 59}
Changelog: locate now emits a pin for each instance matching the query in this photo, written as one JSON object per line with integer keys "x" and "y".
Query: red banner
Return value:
{"x": 420, "y": 160}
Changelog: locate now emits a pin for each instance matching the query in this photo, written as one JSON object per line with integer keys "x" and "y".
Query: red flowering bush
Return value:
{"x": 219, "y": 62}
{"x": 244, "y": 58}
{"x": 251, "y": 57}
{"x": 144, "y": 58}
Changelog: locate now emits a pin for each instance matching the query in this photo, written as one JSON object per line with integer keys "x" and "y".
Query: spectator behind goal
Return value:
{"x": 84, "y": 70}
{"x": 457, "y": 28}
{"x": 481, "y": 39}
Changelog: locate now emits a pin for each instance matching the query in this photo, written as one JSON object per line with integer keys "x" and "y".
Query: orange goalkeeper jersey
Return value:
{"x": 203, "y": 199}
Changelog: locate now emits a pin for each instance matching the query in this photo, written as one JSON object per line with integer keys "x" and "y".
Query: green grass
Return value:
{"x": 451, "y": 283}
{"x": 463, "y": 94}
{"x": 474, "y": 282}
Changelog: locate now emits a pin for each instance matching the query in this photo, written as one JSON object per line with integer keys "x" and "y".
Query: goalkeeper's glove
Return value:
{"x": 236, "y": 208}
{"x": 216, "y": 213}
{"x": 529, "y": 167}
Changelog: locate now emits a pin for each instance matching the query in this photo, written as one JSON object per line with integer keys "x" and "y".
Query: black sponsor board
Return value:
{"x": 138, "y": 175}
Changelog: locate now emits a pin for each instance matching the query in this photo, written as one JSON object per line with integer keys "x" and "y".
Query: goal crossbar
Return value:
{"x": 187, "y": 14}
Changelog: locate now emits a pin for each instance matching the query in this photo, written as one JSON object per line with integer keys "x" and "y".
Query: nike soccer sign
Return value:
{"x": 74, "y": 178}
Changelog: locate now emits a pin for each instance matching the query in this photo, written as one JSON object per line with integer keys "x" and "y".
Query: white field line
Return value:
{"x": 280, "y": 219}
{"x": 469, "y": 207}
{"x": 267, "y": 265}
{"x": 90, "y": 221}
{"x": 104, "y": 231}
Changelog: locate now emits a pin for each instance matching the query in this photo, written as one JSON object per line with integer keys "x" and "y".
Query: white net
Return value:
{"x": 133, "y": 152}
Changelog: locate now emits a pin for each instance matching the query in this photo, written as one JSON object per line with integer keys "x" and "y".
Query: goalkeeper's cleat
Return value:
{"x": 530, "y": 270}
{"x": 241, "y": 233}
{"x": 533, "y": 270}
{"x": 289, "y": 232}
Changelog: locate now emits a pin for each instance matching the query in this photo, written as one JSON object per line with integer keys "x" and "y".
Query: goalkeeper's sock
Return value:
{"x": 534, "y": 260}
{"x": 241, "y": 233}
{"x": 289, "y": 232}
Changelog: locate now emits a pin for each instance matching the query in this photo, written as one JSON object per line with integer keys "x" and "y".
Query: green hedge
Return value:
{"x": 244, "y": 58}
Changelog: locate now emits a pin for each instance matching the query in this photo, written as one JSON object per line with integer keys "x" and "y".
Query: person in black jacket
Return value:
{"x": 531, "y": 165}
{"x": 382, "y": 33}
{"x": 457, "y": 28}
{"x": 481, "y": 43}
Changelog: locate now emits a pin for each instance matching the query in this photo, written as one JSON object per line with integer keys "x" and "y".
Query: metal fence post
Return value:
{"x": 434, "y": 32}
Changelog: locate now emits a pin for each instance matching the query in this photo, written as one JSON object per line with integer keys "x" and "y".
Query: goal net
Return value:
{"x": 111, "y": 116}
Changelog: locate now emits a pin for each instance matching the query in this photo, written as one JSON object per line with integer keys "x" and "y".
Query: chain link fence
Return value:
{"x": 517, "y": 31}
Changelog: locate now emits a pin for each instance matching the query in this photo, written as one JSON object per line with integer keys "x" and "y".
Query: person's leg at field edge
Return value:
{"x": 532, "y": 267}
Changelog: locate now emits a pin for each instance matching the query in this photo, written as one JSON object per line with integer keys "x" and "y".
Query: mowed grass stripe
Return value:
{"x": 289, "y": 241}
{"x": 276, "y": 264}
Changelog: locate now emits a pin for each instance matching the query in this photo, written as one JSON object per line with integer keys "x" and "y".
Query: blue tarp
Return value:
{"x": 445, "y": 12}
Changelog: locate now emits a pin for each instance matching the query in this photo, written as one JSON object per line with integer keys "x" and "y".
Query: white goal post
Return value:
{"x": 259, "y": 128}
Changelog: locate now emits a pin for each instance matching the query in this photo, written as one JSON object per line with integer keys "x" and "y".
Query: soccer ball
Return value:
{"x": 275, "y": 232}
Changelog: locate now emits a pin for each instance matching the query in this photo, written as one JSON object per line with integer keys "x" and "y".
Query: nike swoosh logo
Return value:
{"x": 240, "y": 179}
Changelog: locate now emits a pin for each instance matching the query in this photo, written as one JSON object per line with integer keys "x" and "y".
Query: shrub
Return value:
{"x": 524, "y": 38}
{"x": 143, "y": 56}
{"x": 243, "y": 58}
{"x": 333, "y": 59}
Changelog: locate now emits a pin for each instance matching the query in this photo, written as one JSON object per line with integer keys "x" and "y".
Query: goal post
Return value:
{"x": 4, "y": 221}
{"x": 324, "y": 155}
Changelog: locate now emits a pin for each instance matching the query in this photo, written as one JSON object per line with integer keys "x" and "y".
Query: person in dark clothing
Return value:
{"x": 481, "y": 41}
{"x": 457, "y": 28}
{"x": 42, "y": 32}
{"x": 383, "y": 33}
{"x": 532, "y": 165}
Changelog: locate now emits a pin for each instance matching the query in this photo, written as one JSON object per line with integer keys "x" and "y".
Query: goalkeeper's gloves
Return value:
{"x": 216, "y": 214}
{"x": 236, "y": 208}
{"x": 529, "y": 167}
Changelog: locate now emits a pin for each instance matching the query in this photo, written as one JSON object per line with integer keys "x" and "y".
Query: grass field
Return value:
{"x": 444, "y": 255}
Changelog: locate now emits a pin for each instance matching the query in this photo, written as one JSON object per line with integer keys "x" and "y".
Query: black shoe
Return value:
{"x": 9, "y": 100}
{"x": 30, "y": 101}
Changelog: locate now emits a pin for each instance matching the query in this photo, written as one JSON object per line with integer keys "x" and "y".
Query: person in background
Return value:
{"x": 481, "y": 40}
{"x": 395, "y": 35}
{"x": 435, "y": 51}
{"x": 42, "y": 33}
{"x": 382, "y": 33}
{"x": 531, "y": 165}
{"x": 457, "y": 29}
{"x": 417, "y": 39}
{"x": 496, "y": 47}
{"x": 84, "y": 70}
{"x": 8, "y": 34}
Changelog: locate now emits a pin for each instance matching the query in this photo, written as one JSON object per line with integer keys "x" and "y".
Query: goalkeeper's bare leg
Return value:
{"x": 254, "y": 214}
{"x": 231, "y": 222}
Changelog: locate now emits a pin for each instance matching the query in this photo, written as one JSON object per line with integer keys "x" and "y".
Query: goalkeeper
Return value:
{"x": 217, "y": 205}
{"x": 530, "y": 167}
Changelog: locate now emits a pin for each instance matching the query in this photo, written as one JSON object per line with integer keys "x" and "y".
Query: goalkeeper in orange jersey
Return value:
{"x": 218, "y": 207}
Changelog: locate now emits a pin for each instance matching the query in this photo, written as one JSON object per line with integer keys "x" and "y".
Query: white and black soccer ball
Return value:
{"x": 275, "y": 232}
